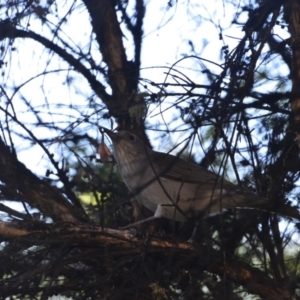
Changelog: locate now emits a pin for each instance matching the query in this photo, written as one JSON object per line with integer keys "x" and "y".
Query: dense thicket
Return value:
{"x": 236, "y": 114}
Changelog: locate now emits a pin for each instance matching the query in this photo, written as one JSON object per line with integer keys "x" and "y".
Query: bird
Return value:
{"x": 175, "y": 188}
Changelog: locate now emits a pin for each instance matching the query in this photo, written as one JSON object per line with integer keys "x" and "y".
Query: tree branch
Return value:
{"x": 122, "y": 244}
{"x": 33, "y": 190}
{"x": 8, "y": 30}
{"x": 292, "y": 16}
{"x": 123, "y": 75}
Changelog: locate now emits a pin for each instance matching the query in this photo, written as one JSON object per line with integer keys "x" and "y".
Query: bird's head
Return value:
{"x": 127, "y": 146}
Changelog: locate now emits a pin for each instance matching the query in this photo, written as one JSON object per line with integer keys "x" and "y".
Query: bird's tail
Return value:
{"x": 248, "y": 200}
{"x": 282, "y": 209}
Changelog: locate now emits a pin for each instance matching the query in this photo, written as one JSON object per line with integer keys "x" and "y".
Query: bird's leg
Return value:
{"x": 158, "y": 214}
{"x": 195, "y": 230}
{"x": 198, "y": 231}
{"x": 138, "y": 222}
{"x": 159, "y": 211}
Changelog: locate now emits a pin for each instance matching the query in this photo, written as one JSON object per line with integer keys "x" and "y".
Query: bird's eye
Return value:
{"x": 132, "y": 137}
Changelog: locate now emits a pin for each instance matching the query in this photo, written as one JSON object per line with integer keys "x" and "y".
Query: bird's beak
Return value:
{"x": 113, "y": 135}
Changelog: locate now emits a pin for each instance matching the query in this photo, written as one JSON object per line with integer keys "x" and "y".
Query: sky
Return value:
{"x": 168, "y": 37}
{"x": 166, "y": 41}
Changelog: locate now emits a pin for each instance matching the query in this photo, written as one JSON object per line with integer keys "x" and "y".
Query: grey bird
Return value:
{"x": 175, "y": 188}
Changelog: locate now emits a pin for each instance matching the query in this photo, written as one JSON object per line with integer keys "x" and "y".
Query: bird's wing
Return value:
{"x": 177, "y": 169}
{"x": 181, "y": 170}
